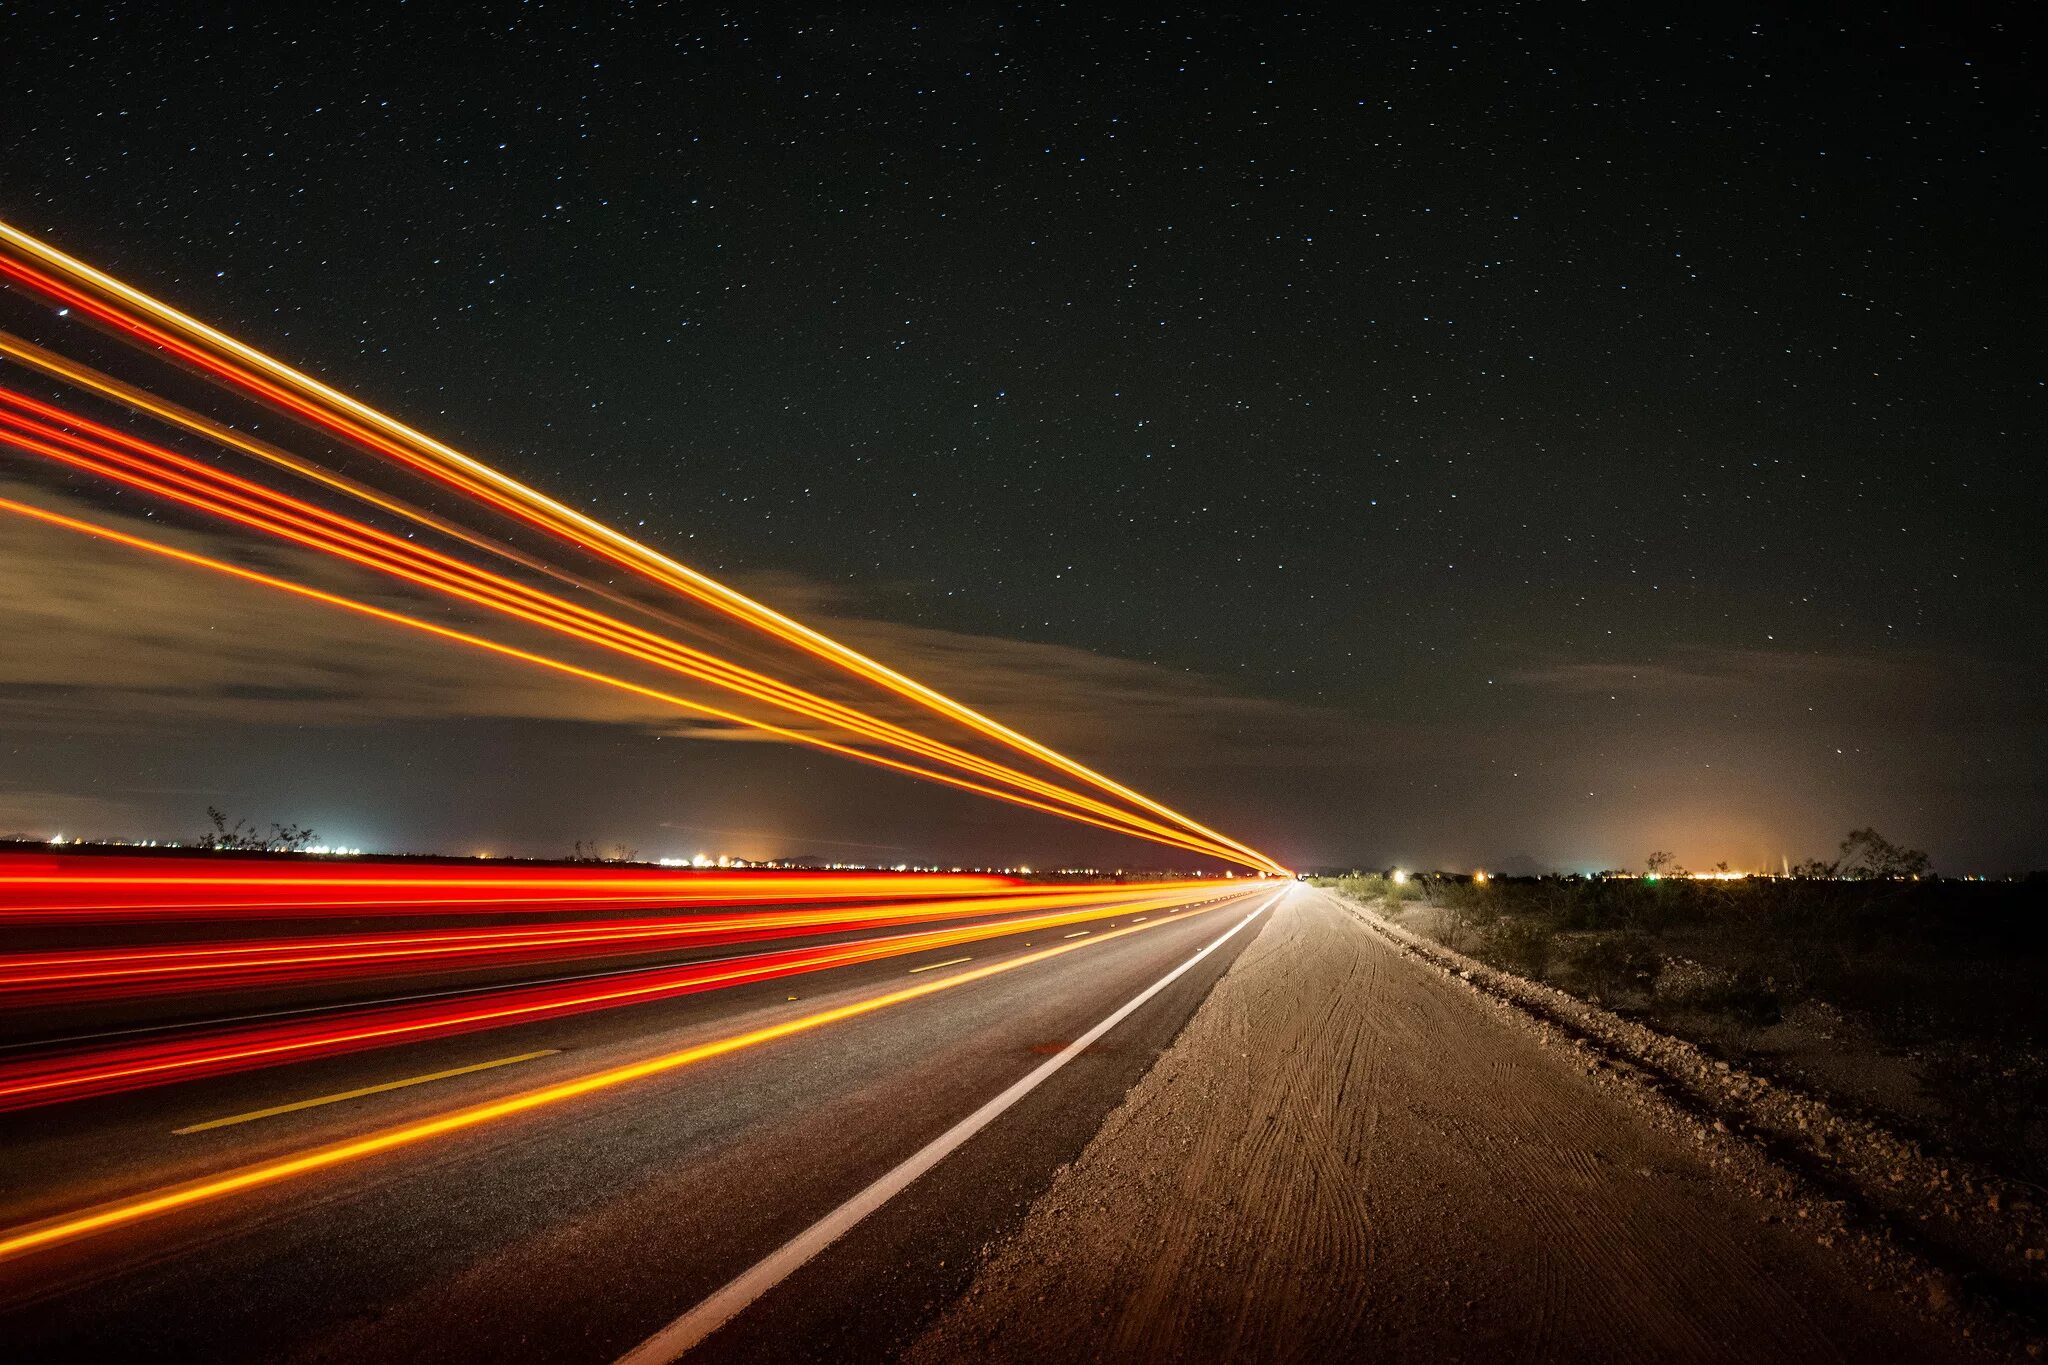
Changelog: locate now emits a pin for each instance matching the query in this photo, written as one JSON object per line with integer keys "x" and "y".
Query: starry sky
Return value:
{"x": 1510, "y": 436}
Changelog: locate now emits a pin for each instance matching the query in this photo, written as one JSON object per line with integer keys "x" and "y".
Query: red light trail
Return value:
{"x": 156, "y": 969}
{"x": 41, "y": 1078}
{"x": 84, "y": 888}
{"x": 74, "y": 1224}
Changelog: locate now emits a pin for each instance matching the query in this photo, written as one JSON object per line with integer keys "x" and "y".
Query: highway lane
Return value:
{"x": 89, "y": 1145}
{"x": 38, "y": 1020}
{"x": 93, "y": 1064}
{"x": 576, "y": 1231}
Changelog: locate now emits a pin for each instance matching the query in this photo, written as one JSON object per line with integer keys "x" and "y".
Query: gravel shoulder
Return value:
{"x": 1349, "y": 1153}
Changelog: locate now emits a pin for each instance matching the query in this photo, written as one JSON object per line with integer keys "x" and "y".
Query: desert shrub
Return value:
{"x": 1521, "y": 943}
{"x": 1457, "y": 895}
{"x": 1598, "y": 905}
{"x": 1370, "y": 887}
{"x": 1626, "y": 960}
{"x": 1739, "y": 996}
{"x": 1466, "y": 921}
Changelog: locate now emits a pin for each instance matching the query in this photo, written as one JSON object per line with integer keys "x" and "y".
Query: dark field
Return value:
{"x": 1919, "y": 1002}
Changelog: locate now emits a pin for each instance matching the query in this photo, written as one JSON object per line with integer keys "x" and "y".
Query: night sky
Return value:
{"x": 1520, "y": 437}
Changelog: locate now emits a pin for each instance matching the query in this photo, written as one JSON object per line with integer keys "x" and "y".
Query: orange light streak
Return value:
{"x": 253, "y": 505}
{"x": 85, "y": 377}
{"x": 258, "y": 373}
{"x": 538, "y": 660}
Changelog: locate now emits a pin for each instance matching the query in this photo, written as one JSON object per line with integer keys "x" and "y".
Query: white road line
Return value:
{"x": 689, "y": 1330}
{"x": 1078, "y": 933}
{"x": 949, "y": 962}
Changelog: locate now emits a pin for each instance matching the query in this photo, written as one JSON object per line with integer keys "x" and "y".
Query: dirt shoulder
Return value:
{"x": 1347, "y": 1153}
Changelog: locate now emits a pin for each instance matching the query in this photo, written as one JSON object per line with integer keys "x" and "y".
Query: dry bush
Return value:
{"x": 1736, "y": 997}
{"x": 1523, "y": 944}
{"x": 1626, "y": 961}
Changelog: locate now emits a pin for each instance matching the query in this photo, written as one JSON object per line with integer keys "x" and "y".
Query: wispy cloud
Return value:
{"x": 103, "y": 636}
{"x": 1694, "y": 672}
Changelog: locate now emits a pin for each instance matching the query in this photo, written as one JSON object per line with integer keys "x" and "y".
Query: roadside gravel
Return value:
{"x": 1348, "y": 1154}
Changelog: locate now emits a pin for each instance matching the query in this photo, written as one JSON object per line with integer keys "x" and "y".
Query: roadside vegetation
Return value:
{"x": 241, "y": 836}
{"x": 1867, "y": 980}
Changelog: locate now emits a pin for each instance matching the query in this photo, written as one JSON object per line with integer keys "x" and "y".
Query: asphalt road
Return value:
{"x": 574, "y": 1231}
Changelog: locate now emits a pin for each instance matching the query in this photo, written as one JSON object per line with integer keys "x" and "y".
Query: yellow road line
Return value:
{"x": 950, "y": 962}
{"x": 275, "y": 1110}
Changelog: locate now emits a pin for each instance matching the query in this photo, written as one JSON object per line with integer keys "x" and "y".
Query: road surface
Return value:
{"x": 575, "y": 1232}
{"x": 1303, "y": 1146}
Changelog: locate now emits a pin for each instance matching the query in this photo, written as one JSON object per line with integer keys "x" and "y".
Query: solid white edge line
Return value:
{"x": 689, "y": 1330}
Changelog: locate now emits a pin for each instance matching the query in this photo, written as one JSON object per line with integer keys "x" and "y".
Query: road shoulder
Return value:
{"x": 1346, "y": 1153}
